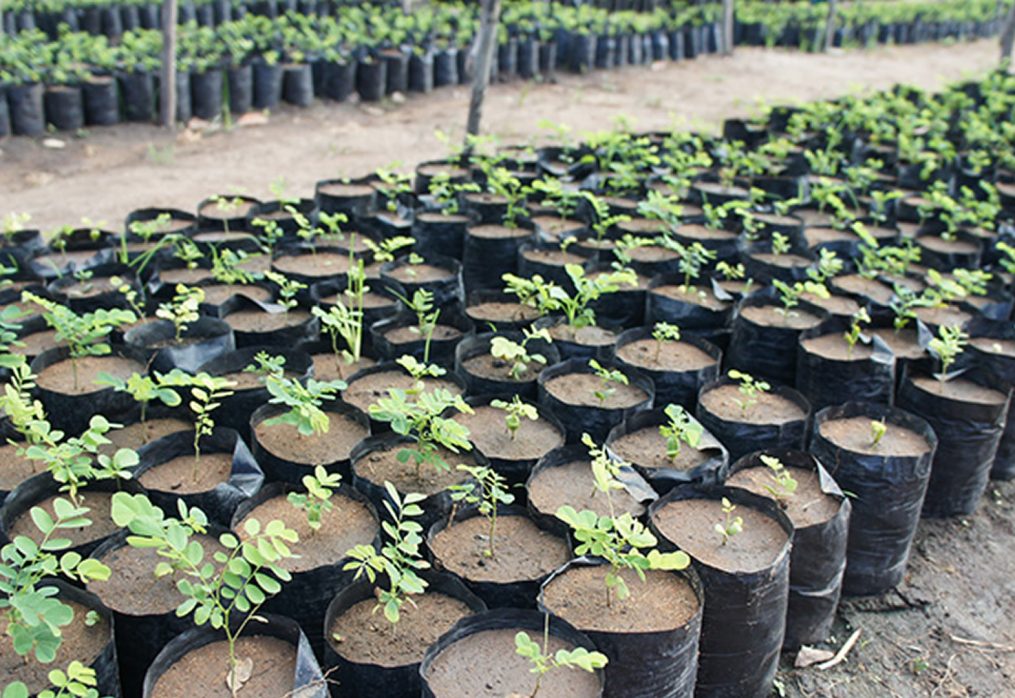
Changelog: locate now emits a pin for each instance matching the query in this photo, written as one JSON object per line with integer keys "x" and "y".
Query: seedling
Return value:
{"x": 287, "y": 289}
{"x": 517, "y": 355}
{"x": 730, "y": 272}
{"x": 502, "y": 183}
{"x": 426, "y": 317}
{"x": 947, "y": 347}
{"x": 227, "y": 205}
{"x": 602, "y": 221}
{"x": 183, "y": 309}
{"x": 31, "y": 613}
{"x": 271, "y": 234}
{"x": 226, "y": 267}
{"x": 554, "y": 194}
{"x": 543, "y": 662}
{"x": 607, "y": 376}
{"x": 131, "y": 296}
{"x": 664, "y": 332}
{"x": 878, "y": 430}
{"x": 487, "y": 489}
{"x": 1007, "y": 261}
{"x": 749, "y": 387}
{"x": 399, "y": 559}
{"x": 660, "y": 207}
{"x": 681, "y": 428}
{"x": 304, "y": 401}
{"x": 418, "y": 416}
{"x": 731, "y": 525}
{"x": 783, "y": 484}
{"x": 187, "y": 251}
{"x": 9, "y": 327}
{"x": 780, "y": 244}
{"x": 83, "y": 334}
{"x": 548, "y": 297}
{"x": 143, "y": 389}
{"x": 385, "y": 250}
{"x": 860, "y": 318}
{"x": 206, "y": 393}
{"x": 396, "y": 185}
{"x": 446, "y": 193}
{"x": 343, "y": 321}
{"x": 515, "y": 411}
{"x": 78, "y": 681}
{"x": 828, "y": 266}
{"x": 693, "y": 259}
{"x": 316, "y": 499}
{"x": 789, "y": 295}
{"x": 218, "y": 588}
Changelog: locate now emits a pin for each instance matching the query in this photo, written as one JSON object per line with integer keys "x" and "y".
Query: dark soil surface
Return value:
{"x": 903, "y": 343}
{"x": 349, "y": 523}
{"x": 485, "y": 665}
{"x": 573, "y": 484}
{"x": 664, "y": 601}
{"x": 285, "y": 441}
{"x": 647, "y": 448}
{"x": 500, "y": 312}
{"x": 578, "y": 389}
{"x": 690, "y": 525}
{"x": 959, "y": 390}
{"x": 14, "y": 468}
{"x": 769, "y": 408}
{"x": 487, "y": 430}
{"x": 868, "y": 288}
{"x": 365, "y": 636}
{"x": 202, "y": 673}
{"x": 419, "y": 273}
{"x": 379, "y": 466}
{"x": 665, "y": 356}
{"x": 328, "y": 367}
{"x": 260, "y": 321}
{"x": 218, "y": 294}
{"x": 59, "y": 377}
{"x": 488, "y": 366}
{"x": 836, "y": 305}
{"x": 522, "y": 551}
{"x": 807, "y": 506}
{"x": 364, "y": 391}
{"x": 407, "y": 335}
{"x": 694, "y": 295}
{"x": 772, "y": 316}
{"x": 319, "y": 266}
{"x": 179, "y": 475}
{"x": 98, "y": 505}
{"x": 140, "y": 433}
{"x": 133, "y": 588}
{"x": 591, "y": 336}
{"x": 854, "y": 434}
{"x": 834, "y": 346}
{"x": 945, "y": 315}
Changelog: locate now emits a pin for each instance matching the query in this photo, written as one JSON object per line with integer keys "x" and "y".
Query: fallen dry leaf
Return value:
{"x": 240, "y": 675}
{"x": 811, "y": 655}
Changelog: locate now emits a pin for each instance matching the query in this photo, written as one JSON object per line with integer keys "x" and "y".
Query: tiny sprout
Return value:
{"x": 731, "y": 272}
{"x": 732, "y": 525}
{"x": 487, "y": 489}
{"x": 780, "y": 243}
{"x": 878, "y": 429}
{"x": 947, "y": 346}
{"x": 784, "y": 485}
{"x": 517, "y": 354}
{"x": 749, "y": 387}
{"x": 515, "y": 411}
{"x": 317, "y": 499}
{"x": 606, "y": 377}
{"x": 664, "y": 332}
{"x": 681, "y": 428}
{"x": 543, "y": 661}
{"x": 855, "y": 330}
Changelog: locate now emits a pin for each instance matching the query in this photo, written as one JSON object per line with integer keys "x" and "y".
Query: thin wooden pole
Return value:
{"x": 167, "y": 91}
{"x": 727, "y": 27}
{"x": 830, "y": 26}
{"x": 1008, "y": 35}
{"x": 484, "y": 58}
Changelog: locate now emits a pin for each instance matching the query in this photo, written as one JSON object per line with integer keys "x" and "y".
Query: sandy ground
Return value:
{"x": 110, "y": 171}
{"x": 952, "y": 632}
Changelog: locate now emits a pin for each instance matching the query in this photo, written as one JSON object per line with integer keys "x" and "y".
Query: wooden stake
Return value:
{"x": 484, "y": 58}
{"x": 727, "y": 27}
{"x": 1008, "y": 35}
{"x": 167, "y": 90}
{"x": 830, "y": 26}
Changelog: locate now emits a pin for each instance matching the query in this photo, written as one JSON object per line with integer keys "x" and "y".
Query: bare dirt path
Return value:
{"x": 111, "y": 171}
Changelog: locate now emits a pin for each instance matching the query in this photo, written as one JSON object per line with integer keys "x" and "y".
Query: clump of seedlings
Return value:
{"x": 681, "y": 428}
{"x": 548, "y": 298}
{"x": 543, "y": 662}
{"x": 399, "y": 559}
{"x": 947, "y": 347}
{"x": 486, "y": 490}
{"x": 31, "y": 612}
{"x": 288, "y": 289}
{"x": 345, "y": 321}
{"x": 227, "y": 585}
{"x": 607, "y": 377}
{"x": 514, "y": 412}
{"x": 517, "y": 355}
{"x": 783, "y": 485}
{"x": 84, "y": 334}
{"x": 184, "y": 309}
{"x": 621, "y": 541}
{"x": 789, "y": 294}
{"x": 78, "y": 680}
{"x": 730, "y": 525}
{"x": 602, "y": 221}
{"x": 750, "y": 387}
{"x": 315, "y": 500}
{"x": 304, "y": 402}
{"x": 416, "y": 414}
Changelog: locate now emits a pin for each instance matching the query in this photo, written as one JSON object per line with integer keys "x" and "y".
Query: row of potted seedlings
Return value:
{"x": 352, "y": 465}
{"x": 72, "y": 78}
